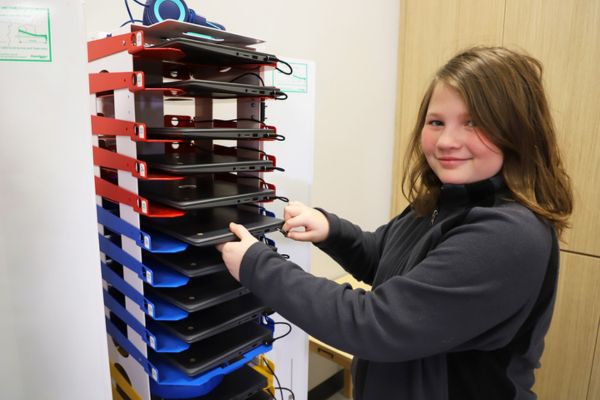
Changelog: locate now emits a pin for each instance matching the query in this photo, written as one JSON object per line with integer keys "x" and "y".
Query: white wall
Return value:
{"x": 354, "y": 44}
{"x": 51, "y": 312}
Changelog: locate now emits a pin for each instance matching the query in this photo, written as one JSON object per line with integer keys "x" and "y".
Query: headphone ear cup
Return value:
{"x": 148, "y": 17}
{"x": 159, "y": 10}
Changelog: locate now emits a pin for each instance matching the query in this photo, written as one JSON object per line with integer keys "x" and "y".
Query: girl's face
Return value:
{"x": 456, "y": 150}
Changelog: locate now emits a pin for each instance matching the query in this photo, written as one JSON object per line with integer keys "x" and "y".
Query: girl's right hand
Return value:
{"x": 298, "y": 215}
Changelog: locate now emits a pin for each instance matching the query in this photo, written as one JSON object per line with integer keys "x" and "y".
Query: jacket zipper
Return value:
{"x": 434, "y": 215}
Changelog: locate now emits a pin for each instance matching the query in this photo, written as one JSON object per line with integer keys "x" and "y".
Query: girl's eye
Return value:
{"x": 471, "y": 123}
{"x": 435, "y": 122}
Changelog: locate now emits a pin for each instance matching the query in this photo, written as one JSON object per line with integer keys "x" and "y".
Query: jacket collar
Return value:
{"x": 482, "y": 193}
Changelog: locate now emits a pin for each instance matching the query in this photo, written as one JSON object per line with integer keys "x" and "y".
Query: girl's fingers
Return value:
{"x": 291, "y": 211}
{"x": 301, "y": 236}
{"x": 240, "y": 231}
{"x": 295, "y": 222}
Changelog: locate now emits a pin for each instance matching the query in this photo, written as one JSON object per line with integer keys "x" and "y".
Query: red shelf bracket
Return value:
{"x": 137, "y": 168}
{"x": 110, "y": 159}
{"x": 120, "y": 195}
{"x": 108, "y": 81}
{"x": 117, "y": 127}
{"x": 138, "y": 203}
{"x": 132, "y": 42}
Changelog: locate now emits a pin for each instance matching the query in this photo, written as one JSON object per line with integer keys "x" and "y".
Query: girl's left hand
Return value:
{"x": 233, "y": 252}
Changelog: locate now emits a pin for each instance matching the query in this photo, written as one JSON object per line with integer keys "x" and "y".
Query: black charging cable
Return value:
{"x": 279, "y": 387}
{"x": 285, "y": 334}
{"x": 291, "y": 70}
{"x": 264, "y": 154}
{"x": 281, "y": 96}
{"x": 287, "y": 390}
{"x": 262, "y": 82}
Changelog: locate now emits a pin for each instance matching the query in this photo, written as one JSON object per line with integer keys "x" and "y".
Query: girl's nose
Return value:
{"x": 448, "y": 139}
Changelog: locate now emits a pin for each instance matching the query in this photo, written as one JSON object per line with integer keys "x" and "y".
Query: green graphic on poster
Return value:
{"x": 25, "y": 34}
{"x": 297, "y": 82}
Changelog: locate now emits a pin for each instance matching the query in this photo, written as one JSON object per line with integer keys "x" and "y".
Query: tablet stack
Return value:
{"x": 180, "y": 326}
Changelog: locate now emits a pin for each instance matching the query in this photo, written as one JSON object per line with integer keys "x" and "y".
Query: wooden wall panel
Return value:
{"x": 431, "y": 32}
{"x": 594, "y": 391}
{"x": 567, "y": 361}
{"x": 564, "y": 36}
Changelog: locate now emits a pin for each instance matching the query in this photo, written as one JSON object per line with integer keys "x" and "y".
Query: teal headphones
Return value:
{"x": 160, "y": 10}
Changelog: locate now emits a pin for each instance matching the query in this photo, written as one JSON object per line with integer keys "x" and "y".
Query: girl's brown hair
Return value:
{"x": 504, "y": 93}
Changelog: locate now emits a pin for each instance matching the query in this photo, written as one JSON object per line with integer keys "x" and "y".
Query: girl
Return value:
{"x": 464, "y": 279}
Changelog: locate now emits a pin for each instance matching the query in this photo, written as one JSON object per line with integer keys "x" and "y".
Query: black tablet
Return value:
{"x": 211, "y": 133}
{"x": 193, "y": 262}
{"x": 220, "y": 349}
{"x": 211, "y": 226}
{"x": 202, "y": 162}
{"x": 214, "y": 320}
{"x": 201, "y": 293}
{"x": 262, "y": 395}
{"x": 242, "y": 384}
{"x": 220, "y": 90}
{"x": 197, "y": 192}
{"x": 215, "y": 54}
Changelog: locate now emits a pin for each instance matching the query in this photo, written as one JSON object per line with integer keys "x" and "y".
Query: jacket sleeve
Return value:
{"x": 472, "y": 292}
{"x": 358, "y": 252}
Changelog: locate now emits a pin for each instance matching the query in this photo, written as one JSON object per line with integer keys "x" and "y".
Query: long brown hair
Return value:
{"x": 504, "y": 93}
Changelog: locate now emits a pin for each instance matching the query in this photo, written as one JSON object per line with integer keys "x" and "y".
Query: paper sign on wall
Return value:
{"x": 25, "y": 34}
{"x": 297, "y": 82}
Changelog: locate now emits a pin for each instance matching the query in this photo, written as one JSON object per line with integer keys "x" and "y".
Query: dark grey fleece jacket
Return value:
{"x": 460, "y": 305}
